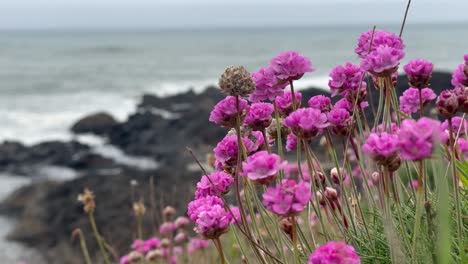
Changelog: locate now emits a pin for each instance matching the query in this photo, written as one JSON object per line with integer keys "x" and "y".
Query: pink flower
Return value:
{"x": 262, "y": 167}
{"x": 459, "y": 125}
{"x": 167, "y": 228}
{"x": 409, "y": 101}
{"x": 138, "y": 245}
{"x": 348, "y": 106}
{"x": 320, "y": 102}
{"x": 459, "y": 78}
{"x": 259, "y": 116}
{"x": 225, "y": 111}
{"x": 289, "y": 66}
{"x": 291, "y": 142}
{"x": 213, "y": 221}
{"x": 197, "y": 244}
{"x": 419, "y": 72}
{"x": 226, "y": 150}
{"x": 447, "y": 103}
{"x": 382, "y": 148}
{"x": 382, "y": 59}
{"x": 346, "y": 80}
{"x": 181, "y": 222}
{"x": 267, "y": 86}
{"x": 380, "y": 38}
{"x": 306, "y": 123}
{"x": 418, "y": 139}
{"x": 340, "y": 121}
{"x": 220, "y": 180}
{"x": 198, "y": 205}
{"x": 287, "y": 198}
{"x": 284, "y": 102}
{"x": 125, "y": 260}
{"x": 334, "y": 252}
{"x": 151, "y": 244}
{"x": 463, "y": 147}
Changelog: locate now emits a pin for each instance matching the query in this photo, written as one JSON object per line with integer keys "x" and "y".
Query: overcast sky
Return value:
{"x": 38, "y": 14}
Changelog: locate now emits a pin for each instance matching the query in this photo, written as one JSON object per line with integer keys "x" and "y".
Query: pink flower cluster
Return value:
{"x": 460, "y": 74}
{"x": 346, "y": 80}
{"x": 320, "y": 102}
{"x": 289, "y": 66}
{"x": 291, "y": 142}
{"x": 382, "y": 148}
{"x": 285, "y": 102}
{"x": 210, "y": 217}
{"x": 334, "y": 252}
{"x": 221, "y": 180}
{"x": 382, "y": 59}
{"x": 226, "y": 150}
{"x": 419, "y": 72}
{"x": 259, "y": 116}
{"x": 379, "y": 38}
{"x": 306, "y": 123}
{"x": 460, "y": 125}
{"x": 266, "y": 85}
{"x": 287, "y": 198}
{"x": 340, "y": 121}
{"x": 197, "y": 244}
{"x": 262, "y": 167}
{"x": 417, "y": 140}
{"x": 409, "y": 101}
{"x": 225, "y": 111}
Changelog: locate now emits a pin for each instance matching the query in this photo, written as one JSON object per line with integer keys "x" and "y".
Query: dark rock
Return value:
{"x": 99, "y": 123}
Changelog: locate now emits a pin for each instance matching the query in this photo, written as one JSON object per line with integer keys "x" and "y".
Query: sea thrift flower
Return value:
{"x": 267, "y": 86}
{"x": 219, "y": 180}
{"x": 226, "y": 150}
{"x": 287, "y": 198}
{"x": 418, "y": 139}
{"x": 225, "y": 111}
{"x": 289, "y": 66}
{"x": 291, "y": 142}
{"x": 212, "y": 222}
{"x": 463, "y": 147}
{"x": 334, "y": 252}
{"x": 346, "y": 80}
{"x": 262, "y": 167}
{"x": 285, "y": 102}
{"x": 340, "y": 121}
{"x": 382, "y": 148}
{"x": 383, "y": 60}
{"x": 447, "y": 103}
{"x": 138, "y": 245}
{"x": 306, "y": 123}
{"x": 409, "y": 101}
{"x": 236, "y": 81}
{"x": 197, "y": 244}
{"x": 151, "y": 244}
{"x": 348, "y": 106}
{"x": 201, "y": 204}
{"x": 419, "y": 72}
{"x": 459, "y": 125}
{"x": 181, "y": 222}
{"x": 320, "y": 102}
{"x": 379, "y": 38}
{"x": 462, "y": 95}
{"x": 335, "y": 175}
{"x": 259, "y": 116}
{"x": 459, "y": 77}
{"x": 167, "y": 228}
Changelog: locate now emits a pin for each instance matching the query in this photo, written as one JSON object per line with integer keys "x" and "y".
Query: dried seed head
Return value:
{"x": 135, "y": 257}
{"x": 139, "y": 208}
{"x": 236, "y": 81}
{"x": 154, "y": 255}
{"x": 87, "y": 199}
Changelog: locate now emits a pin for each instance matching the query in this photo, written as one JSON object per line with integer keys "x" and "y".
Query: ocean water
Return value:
{"x": 48, "y": 79}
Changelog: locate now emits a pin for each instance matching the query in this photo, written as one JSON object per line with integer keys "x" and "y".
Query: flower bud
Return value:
{"x": 335, "y": 176}
{"x": 180, "y": 238}
{"x": 181, "y": 222}
{"x": 165, "y": 243}
{"x": 273, "y": 132}
{"x": 331, "y": 193}
{"x": 447, "y": 103}
{"x": 168, "y": 213}
{"x": 154, "y": 255}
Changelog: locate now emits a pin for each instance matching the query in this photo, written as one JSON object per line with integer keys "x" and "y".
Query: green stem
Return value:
{"x": 98, "y": 237}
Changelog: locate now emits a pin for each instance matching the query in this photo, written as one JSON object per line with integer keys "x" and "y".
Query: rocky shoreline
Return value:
{"x": 158, "y": 132}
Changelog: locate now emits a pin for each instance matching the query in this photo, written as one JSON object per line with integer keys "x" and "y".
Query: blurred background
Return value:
{"x": 62, "y": 60}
